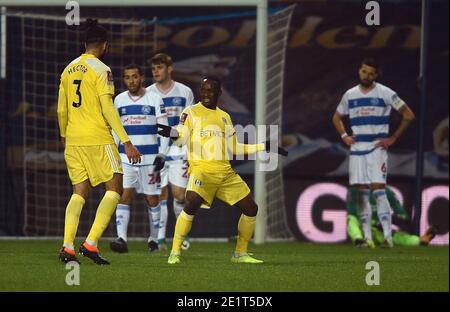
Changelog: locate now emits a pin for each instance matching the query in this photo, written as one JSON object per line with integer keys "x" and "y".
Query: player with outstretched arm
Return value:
{"x": 209, "y": 135}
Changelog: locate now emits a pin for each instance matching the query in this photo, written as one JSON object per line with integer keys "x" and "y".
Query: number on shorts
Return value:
{"x": 383, "y": 168}
{"x": 185, "y": 169}
{"x": 154, "y": 178}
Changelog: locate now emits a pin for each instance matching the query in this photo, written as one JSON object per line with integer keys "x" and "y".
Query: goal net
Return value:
{"x": 277, "y": 34}
{"x": 222, "y": 44}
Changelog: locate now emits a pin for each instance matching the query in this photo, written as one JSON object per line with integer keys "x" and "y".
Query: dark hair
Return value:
{"x": 162, "y": 58}
{"x": 134, "y": 66}
{"x": 371, "y": 62}
{"x": 215, "y": 79}
{"x": 93, "y": 32}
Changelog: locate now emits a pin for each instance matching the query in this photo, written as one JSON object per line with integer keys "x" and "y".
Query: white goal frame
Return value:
{"x": 261, "y": 68}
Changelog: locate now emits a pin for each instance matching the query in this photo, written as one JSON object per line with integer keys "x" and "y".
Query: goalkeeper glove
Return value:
{"x": 159, "y": 162}
{"x": 280, "y": 150}
{"x": 167, "y": 131}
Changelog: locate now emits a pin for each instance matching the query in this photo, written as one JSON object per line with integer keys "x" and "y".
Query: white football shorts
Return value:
{"x": 141, "y": 178}
{"x": 369, "y": 168}
{"x": 175, "y": 172}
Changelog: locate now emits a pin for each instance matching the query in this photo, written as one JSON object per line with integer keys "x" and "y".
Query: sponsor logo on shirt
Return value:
{"x": 211, "y": 133}
{"x": 172, "y": 111}
{"x": 134, "y": 120}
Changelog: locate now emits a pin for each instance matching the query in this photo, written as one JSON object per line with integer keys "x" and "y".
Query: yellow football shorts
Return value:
{"x": 97, "y": 163}
{"x": 228, "y": 187}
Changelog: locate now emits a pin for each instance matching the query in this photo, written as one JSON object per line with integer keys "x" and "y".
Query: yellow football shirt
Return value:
{"x": 80, "y": 114}
{"x": 210, "y": 137}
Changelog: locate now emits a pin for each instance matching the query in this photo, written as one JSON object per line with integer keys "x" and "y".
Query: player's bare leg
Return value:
{"x": 178, "y": 204}
{"x": 105, "y": 210}
{"x": 73, "y": 211}
{"x": 246, "y": 227}
{"x": 122, "y": 219}
{"x": 154, "y": 213}
{"x": 384, "y": 213}
{"x": 184, "y": 224}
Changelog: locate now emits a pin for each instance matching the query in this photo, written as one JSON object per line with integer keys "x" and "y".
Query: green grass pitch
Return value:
{"x": 34, "y": 266}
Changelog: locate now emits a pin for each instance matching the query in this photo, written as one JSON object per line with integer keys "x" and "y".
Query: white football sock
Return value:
{"x": 122, "y": 220}
{"x": 154, "y": 214}
{"x": 163, "y": 220}
{"x": 365, "y": 212}
{"x": 384, "y": 212}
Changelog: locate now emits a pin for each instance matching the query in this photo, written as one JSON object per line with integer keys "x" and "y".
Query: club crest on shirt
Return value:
{"x": 183, "y": 118}
{"x": 176, "y": 101}
{"x": 146, "y": 110}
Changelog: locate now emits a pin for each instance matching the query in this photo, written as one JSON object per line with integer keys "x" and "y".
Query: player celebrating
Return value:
{"x": 176, "y": 97}
{"x": 205, "y": 129}
{"x": 369, "y": 106}
{"x": 140, "y": 110}
{"x": 85, "y": 115}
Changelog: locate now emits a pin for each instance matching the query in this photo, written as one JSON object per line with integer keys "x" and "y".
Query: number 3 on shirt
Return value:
{"x": 78, "y": 83}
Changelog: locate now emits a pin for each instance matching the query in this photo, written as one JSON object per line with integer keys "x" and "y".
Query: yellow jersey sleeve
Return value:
{"x": 62, "y": 110}
{"x": 105, "y": 82}
{"x": 184, "y": 128}
{"x": 112, "y": 117}
{"x": 234, "y": 146}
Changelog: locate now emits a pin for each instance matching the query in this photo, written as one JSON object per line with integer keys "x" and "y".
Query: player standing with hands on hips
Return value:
{"x": 368, "y": 106}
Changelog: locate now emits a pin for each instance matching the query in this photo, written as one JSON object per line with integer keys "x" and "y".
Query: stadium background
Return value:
{"x": 326, "y": 43}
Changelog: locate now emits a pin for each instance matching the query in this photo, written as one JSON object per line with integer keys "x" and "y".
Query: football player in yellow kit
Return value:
{"x": 86, "y": 114}
{"x": 209, "y": 134}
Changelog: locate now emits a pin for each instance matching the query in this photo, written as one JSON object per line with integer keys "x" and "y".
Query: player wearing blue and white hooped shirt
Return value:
{"x": 176, "y": 97}
{"x": 140, "y": 111}
{"x": 368, "y": 106}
